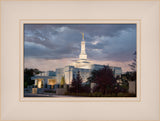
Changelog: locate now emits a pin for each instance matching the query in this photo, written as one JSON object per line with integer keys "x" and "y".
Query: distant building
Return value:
{"x": 82, "y": 65}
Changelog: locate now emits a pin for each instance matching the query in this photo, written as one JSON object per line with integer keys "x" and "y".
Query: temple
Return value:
{"x": 82, "y": 65}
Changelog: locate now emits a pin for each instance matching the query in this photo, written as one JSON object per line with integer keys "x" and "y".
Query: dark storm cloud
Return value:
{"x": 115, "y": 42}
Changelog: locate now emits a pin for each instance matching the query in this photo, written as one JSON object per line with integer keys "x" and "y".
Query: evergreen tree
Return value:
{"x": 73, "y": 85}
{"x": 79, "y": 83}
{"x": 62, "y": 81}
{"x": 76, "y": 85}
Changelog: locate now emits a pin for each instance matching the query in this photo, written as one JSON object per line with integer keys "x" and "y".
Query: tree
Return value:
{"x": 104, "y": 79}
{"x": 62, "y": 81}
{"x": 133, "y": 66}
{"x": 28, "y": 73}
{"x": 76, "y": 85}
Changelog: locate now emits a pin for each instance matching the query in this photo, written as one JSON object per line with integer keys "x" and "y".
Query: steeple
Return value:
{"x": 83, "y": 55}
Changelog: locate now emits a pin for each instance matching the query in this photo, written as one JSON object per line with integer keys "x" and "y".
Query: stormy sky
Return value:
{"x": 51, "y": 46}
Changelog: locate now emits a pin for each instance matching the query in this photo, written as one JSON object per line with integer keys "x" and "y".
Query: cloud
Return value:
{"x": 104, "y": 42}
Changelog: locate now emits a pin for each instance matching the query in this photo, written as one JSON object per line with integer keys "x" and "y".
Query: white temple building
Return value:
{"x": 83, "y": 65}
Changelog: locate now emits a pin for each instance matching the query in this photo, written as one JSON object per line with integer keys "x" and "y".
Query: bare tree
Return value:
{"x": 133, "y": 65}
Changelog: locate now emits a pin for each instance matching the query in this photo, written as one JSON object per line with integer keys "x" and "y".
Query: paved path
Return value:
{"x": 45, "y": 95}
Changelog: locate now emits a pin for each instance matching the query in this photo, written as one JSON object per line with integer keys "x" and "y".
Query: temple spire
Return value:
{"x": 83, "y": 55}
